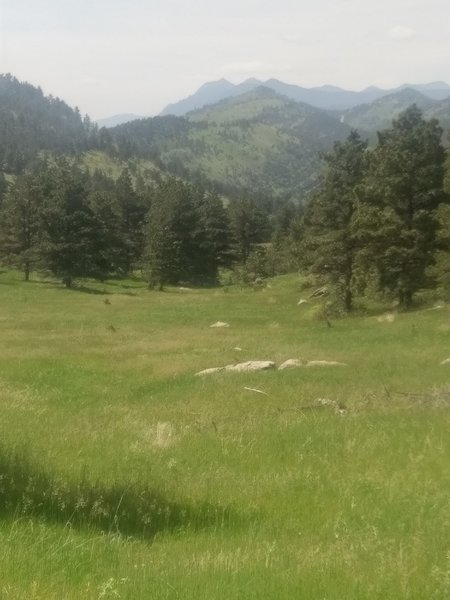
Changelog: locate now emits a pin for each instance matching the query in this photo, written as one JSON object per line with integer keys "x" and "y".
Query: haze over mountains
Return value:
{"x": 326, "y": 97}
{"x": 258, "y": 139}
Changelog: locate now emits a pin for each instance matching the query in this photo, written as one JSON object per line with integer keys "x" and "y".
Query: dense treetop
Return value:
{"x": 31, "y": 122}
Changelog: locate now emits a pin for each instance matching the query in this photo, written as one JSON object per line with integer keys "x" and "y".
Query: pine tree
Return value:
{"x": 212, "y": 237}
{"x": 249, "y": 225}
{"x": 20, "y": 220}
{"x": 186, "y": 235}
{"x": 405, "y": 188}
{"x": 69, "y": 225}
{"x": 133, "y": 217}
{"x": 163, "y": 252}
{"x": 109, "y": 244}
{"x": 329, "y": 245}
{"x": 3, "y": 187}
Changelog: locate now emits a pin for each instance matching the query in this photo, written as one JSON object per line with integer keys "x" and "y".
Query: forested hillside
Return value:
{"x": 31, "y": 122}
{"x": 378, "y": 115}
{"x": 259, "y": 141}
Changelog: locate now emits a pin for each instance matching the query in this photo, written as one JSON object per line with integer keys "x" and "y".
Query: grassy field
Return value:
{"x": 122, "y": 475}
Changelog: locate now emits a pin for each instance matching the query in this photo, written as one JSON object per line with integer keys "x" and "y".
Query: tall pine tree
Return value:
{"x": 330, "y": 250}
{"x": 405, "y": 189}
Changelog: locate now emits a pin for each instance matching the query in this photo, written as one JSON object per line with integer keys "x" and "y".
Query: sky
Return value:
{"x": 136, "y": 56}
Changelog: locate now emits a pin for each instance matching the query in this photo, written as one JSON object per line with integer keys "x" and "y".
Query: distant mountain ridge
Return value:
{"x": 379, "y": 114}
{"x": 325, "y": 97}
{"x": 257, "y": 141}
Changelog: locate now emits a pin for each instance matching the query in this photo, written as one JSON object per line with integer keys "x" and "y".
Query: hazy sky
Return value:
{"x": 114, "y": 56}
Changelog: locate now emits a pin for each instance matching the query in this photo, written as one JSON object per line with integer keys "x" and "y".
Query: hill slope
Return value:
{"x": 259, "y": 141}
{"x": 31, "y": 122}
{"x": 379, "y": 114}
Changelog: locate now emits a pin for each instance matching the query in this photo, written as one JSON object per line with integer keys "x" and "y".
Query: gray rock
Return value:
{"x": 325, "y": 363}
{"x": 251, "y": 365}
{"x": 211, "y": 370}
{"x": 292, "y": 363}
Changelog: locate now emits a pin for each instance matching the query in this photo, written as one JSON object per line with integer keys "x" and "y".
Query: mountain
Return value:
{"x": 258, "y": 141}
{"x": 117, "y": 120}
{"x": 379, "y": 114}
{"x": 326, "y": 97}
{"x": 441, "y": 111}
{"x": 437, "y": 90}
{"x": 31, "y": 122}
{"x": 209, "y": 93}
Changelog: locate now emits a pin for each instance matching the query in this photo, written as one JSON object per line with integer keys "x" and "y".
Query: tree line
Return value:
{"x": 59, "y": 219}
{"x": 378, "y": 219}
{"x": 374, "y": 219}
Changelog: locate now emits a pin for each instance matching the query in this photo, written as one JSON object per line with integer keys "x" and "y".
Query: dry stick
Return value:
{"x": 255, "y": 390}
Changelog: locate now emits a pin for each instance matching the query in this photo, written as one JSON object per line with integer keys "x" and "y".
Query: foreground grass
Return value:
{"x": 124, "y": 475}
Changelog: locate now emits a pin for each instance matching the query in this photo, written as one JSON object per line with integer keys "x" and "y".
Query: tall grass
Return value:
{"x": 122, "y": 475}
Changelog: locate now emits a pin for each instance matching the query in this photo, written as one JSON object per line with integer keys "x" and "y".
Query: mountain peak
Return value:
{"x": 326, "y": 97}
{"x": 218, "y": 83}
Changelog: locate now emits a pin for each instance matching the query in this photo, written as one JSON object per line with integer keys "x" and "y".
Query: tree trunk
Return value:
{"x": 26, "y": 272}
{"x": 348, "y": 295}
{"x": 348, "y": 300}
{"x": 405, "y": 298}
{"x": 67, "y": 281}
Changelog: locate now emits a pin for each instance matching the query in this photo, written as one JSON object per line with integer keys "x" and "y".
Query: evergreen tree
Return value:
{"x": 167, "y": 234}
{"x": 186, "y": 237}
{"x": 329, "y": 245}
{"x": 69, "y": 226}
{"x": 3, "y": 187}
{"x": 133, "y": 217}
{"x": 249, "y": 225}
{"x": 109, "y": 244}
{"x": 20, "y": 220}
{"x": 212, "y": 237}
{"x": 405, "y": 188}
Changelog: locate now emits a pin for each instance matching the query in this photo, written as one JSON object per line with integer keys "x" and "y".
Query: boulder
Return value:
{"x": 211, "y": 370}
{"x": 292, "y": 363}
{"x": 325, "y": 363}
{"x": 251, "y": 365}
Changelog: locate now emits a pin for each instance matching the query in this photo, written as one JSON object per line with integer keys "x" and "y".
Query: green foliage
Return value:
{"x": 3, "y": 187}
{"x": 374, "y": 216}
{"x": 70, "y": 228}
{"x": 133, "y": 211}
{"x": 20, "y": 224}
{"x": 31, "y": 122}
{"x": 249, "y": 226}
{"x": 187, "y": 235}
{"x": 405, "y": 188}
{"x": 329, "y": 248}
{"x": 260, "y": 141}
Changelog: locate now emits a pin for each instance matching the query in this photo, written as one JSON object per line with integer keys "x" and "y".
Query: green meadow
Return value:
{"x": 123, "y": 475}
